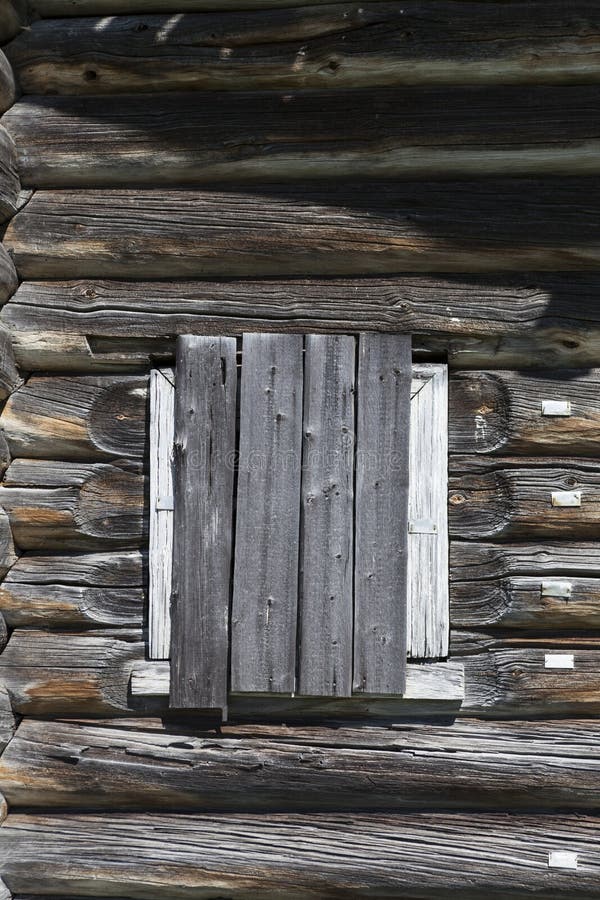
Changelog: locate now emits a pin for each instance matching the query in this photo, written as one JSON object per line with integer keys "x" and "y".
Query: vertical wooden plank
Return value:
{"x": 327, "y": 552}
{"x": 381, "y": 551}
{"x": 160, "y": 551}
{"x": 265, "y": 592}
{"x": 205, "y": 413}
{"x": 428, "y": 606}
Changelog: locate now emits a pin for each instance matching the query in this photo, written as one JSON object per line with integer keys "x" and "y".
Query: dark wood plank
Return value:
{"x": 205, "y": 413}
{"x": 381, "y": 536}
{"x": 339, "y": 45}
{"x": 172, "y": 139}
{"x": 362, "y": 228}
{"x": 265, "y": 592}
{"x": 411, "y": 855}
{"x": 327, "y": 554}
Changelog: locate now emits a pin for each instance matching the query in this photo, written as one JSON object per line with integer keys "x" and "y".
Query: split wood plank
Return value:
{"x": 172, "y": 139}
{"x": 470, "y": 561}
{"x": 427, "y": 608}
{"x": 328, "y": 229}
{"x": 381, "y": 513}
{"x": 327, "y": 549}
{"x": 205, "y": 416}
{"x": 301, "y": 856}
{"x": 337, "y": 45}
{"x": 467, "y": 764}
{"x": 265, "y": 592}
{"x": 82, "y": 417}
{"x": 160, "y": 552}
{"x": 501, "y": 320}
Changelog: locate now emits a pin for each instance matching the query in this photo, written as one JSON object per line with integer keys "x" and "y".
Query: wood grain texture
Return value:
{"x": 9, "y": 280}
{"x": 160, "y": 540}
{"x": 9, "y": 374}
{"x": 203, "y": 480}
{"x": 471, "y": 561}
{"x": 333, "y": 229}
{"x": 3, "y": 632}
{"x": 517, "y": 602}
{"x": 327, "y": 46}
{"x": 478, "y": 321}
{"x": 85, "y": 417}
{"x": 117, "y": 568}
{"x": 265, "y": 582}
{"x": 381, "y": 513}
{"x": 8, "y": 551}
{"x": 8, "y": 88}
{"x": 172, "y": 139}
{"x": 8, "y": 723}
{"x": 469, "y": 764}
{"x": 510, "y": 497}
{"x": 10, "y": 185}
{"x": 327, "y": 522}
{"x": 61, "y": 605}
{"x": 501, "y": 413}
{"x": 417, "y": 855}
{"x": 85, "y": 506}
{"x": 427, "y": 610}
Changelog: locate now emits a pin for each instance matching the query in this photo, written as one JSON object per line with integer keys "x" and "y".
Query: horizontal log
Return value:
{"x": 122, "y": 569}
{"x": 172, "y": 139}
{"x": 502, "y": 412}
{"x": 301, "y": 857}
{"x": 60, "y": 605}
{"x": 512, "y": 497}
{"x": 310, "y": 229}
{"x": 473, "y": 765}
{"x": 474, "y": 562}
{"x": 333, "y": 46}
{"x": 77, "y": 418}
{"x": 76, "y": 507}
{"x": 526, "y": 602}
{"x": 86, "y": 675}
{"x": 527, "y": 320}
{"x": 8, "y": 88}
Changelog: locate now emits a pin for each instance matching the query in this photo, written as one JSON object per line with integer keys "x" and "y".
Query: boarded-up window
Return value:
{"x": 298, "y": 540}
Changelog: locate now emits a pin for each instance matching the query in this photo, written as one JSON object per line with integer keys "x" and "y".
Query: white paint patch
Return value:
{"x": 559, "y": 661}
{"x": 562, "y": 859}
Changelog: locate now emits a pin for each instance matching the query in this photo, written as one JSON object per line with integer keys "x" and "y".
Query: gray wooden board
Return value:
{"x": 327, "y": 554}
{"x": 265, "y": 594}
{"x": 381, "y": 546}
{"x": 203, "y": 480}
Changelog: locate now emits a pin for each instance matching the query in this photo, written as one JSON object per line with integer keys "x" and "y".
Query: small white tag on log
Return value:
{"x": 566, "y": 498}
{"x": 165, "y": 503}
{"x": 562, "y": 589}
{"x": 559, "y": 661}
{"x": 562, "y": 859}
{"x": 556, "y": 407}
{"x": 422, "y": 526}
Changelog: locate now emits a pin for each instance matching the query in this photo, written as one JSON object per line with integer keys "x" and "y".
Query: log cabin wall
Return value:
{"x": 229, "y": 165}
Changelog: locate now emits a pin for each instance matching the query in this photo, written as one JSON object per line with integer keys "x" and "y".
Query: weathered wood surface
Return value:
{"x": 523, "y": 602}
{"x": 8, "y": 553}
{"x": 511, "y": 497}
{"x": 84, "y": 417}
{"x": 203, "y": 477}
{"x": 10, "y": 185}
{"x": 82, "y": 506}
{"x": 499, "y": 320}
{"x": 381, "y": 513}
{"x": 328, "y": 229}
{"x": 8, "y": 88}
{"x": 337, "y": 45}
{"x": 161, "y": 514}
{"x": 501, "y": 412}
{"x": 61, "y": 605}
{"x": 473, "y": 561}
{"x": 12, "y": 18}
{"x": 264, "y": 609}
{"x": 122, "y": 569}
{"x": 3, "y": 632}
{"x": 473, "y": 765}
{"x": 9, "y": 374}
{"x": 8, "y": 722}
{"x": 172, "y": 139}
{"x": 327, "y": 525}
{"x": 9, "y": 280}
{"x": 301, "y": 857}
{"x": 427, "y": 612}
